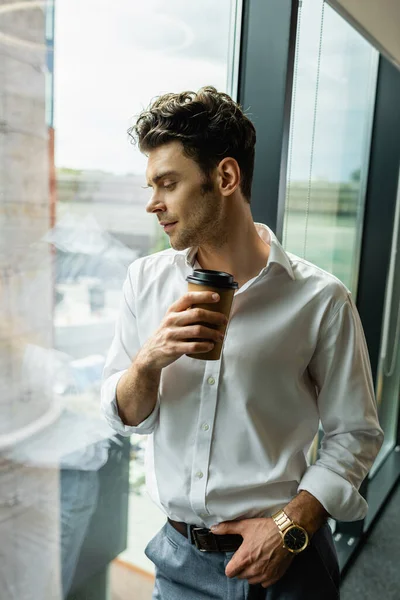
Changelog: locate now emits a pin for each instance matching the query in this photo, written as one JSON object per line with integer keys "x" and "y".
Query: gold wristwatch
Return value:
{"x": 295, "y": 538}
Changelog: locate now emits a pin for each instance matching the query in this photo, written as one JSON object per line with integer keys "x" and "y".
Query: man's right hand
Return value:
{"x": 174, "y": 337}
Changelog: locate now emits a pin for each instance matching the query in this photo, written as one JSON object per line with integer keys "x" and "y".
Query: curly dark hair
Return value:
{"x": 209, "y": 125}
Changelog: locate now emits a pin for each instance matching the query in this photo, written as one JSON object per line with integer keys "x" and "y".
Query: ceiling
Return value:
{"x": 376, "y": 20}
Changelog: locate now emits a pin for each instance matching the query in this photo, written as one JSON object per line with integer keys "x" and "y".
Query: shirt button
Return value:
{"x": 205, "y": 427}
{"x": 211, "y": 380}
{"x": 199, "y": 474}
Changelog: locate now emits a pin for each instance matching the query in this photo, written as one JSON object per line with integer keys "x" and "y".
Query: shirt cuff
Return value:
{"x": 337, "y": 495}
{"x": 110, "y": 410}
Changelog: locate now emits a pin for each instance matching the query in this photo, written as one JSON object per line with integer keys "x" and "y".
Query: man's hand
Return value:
{"x": 261, "y": 558}
{"x": 178, "y": 332}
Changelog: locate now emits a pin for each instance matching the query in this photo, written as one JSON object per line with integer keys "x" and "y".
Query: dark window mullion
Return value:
{"x": 265, "y": 92}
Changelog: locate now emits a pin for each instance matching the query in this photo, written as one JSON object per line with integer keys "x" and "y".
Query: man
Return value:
{"x": 230, "y": 437}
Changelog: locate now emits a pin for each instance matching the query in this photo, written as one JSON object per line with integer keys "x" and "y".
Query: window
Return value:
{"x": 332, "y": 109}
{"x": 73, "y": 76}
{"x": 152, "y": 48}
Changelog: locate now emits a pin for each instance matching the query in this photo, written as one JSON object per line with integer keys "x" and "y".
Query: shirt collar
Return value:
{"x": 277, "y": 254}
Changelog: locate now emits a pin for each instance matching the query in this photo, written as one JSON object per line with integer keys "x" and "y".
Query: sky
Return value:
{"x": 113, "y": 57}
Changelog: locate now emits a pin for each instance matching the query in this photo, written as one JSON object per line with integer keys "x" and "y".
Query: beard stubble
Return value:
{"x": 206, "y": 225}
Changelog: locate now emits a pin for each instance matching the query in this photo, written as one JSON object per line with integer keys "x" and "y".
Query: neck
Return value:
{"x": 243, "y": 253}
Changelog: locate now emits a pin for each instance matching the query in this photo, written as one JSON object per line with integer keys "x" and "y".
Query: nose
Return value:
{"x": 155, "y": 204}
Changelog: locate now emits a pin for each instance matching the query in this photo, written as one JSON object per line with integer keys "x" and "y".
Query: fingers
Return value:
{"x": 195, "y": 333}
{"x": 237, "y": 568}
{"x": 228, "y": 527}
{"x": 191, "y": 298}
{"x": 196, "y": 316}
{"x": 193, "y": 347}
{"x": 187, "y": 329}
{"x": 181, "y": 313}
{"x": 199, "y": 333}
{"x": 265, "y": 572}
{"x": 199, "y": 316}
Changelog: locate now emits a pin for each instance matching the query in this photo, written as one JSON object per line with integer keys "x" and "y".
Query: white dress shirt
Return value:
{"x": 229, "y": 439}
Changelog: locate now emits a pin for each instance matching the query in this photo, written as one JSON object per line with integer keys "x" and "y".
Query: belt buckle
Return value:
{"x": 196, "y": 541}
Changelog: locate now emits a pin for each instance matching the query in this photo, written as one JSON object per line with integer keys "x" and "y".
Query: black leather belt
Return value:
{"x": 205, "y": 540}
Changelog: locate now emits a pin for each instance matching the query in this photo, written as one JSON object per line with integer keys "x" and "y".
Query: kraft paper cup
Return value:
{"x": 222, "y": 306}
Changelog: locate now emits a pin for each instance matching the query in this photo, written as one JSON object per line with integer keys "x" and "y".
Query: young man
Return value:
{"x": 230, "y": 437}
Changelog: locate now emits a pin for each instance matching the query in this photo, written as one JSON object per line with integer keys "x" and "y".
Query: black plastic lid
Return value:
{"x": 217, "y": 279}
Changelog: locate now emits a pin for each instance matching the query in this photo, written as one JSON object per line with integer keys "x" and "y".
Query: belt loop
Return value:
{"x": 189, "y": 533}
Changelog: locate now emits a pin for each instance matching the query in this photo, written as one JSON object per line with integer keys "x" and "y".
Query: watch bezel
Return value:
{"x": 290, "y": 528}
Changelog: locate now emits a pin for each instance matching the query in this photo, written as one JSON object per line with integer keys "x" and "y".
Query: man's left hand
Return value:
{"x": 261, "y": 558}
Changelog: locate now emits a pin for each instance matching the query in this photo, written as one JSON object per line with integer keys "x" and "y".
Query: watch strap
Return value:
{"x": 282, "y": 520}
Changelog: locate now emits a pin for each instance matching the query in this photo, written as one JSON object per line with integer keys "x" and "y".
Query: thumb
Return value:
{"x": 227, "y": 527}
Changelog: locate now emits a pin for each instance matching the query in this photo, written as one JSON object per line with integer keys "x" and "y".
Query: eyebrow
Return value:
{"x": 161, "y": 175}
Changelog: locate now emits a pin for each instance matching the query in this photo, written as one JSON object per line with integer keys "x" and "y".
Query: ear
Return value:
{"x": 228, "y": 176}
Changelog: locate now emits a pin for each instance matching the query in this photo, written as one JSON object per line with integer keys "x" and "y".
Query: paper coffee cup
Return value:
{"x": 205, "y": 280}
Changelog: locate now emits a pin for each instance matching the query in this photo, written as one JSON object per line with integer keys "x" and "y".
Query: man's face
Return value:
{"x": 182, "y": 195}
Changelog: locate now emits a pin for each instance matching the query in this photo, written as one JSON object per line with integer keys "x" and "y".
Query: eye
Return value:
{"x": 169, "y": 186}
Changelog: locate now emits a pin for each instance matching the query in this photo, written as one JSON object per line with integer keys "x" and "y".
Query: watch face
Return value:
{"x": 295, "y": 539}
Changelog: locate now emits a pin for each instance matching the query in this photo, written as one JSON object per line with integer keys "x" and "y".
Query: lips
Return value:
{"x": 168, "y": 226}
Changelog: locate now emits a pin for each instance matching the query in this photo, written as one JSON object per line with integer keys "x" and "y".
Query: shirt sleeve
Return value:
{"x": 352, "y": 435}
{"x": 124, "y": 347}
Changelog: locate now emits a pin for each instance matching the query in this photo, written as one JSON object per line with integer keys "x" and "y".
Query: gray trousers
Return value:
{"x": 185, "y": 573}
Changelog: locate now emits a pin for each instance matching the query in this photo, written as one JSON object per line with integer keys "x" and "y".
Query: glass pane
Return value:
{"x": 388, "y": 380}
{"x": 335, "y": 72}
{"x": 72, "y": 220}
